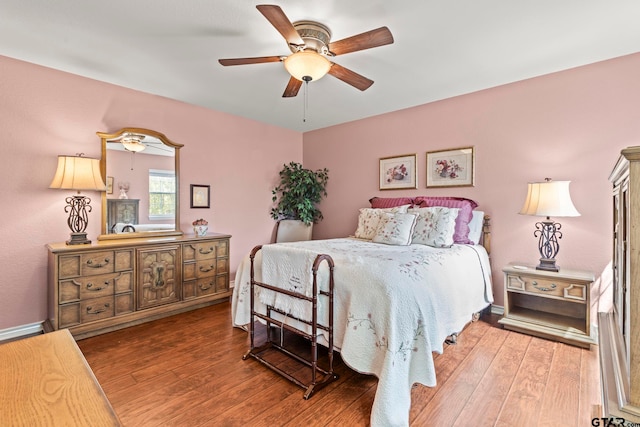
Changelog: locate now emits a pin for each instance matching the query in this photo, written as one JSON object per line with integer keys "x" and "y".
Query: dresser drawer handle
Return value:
{"x": 206, "y": 288}
{"x": 99, "y": 288}
{"x": 98, "y": 310}
{"x": 542, "y": 288}
{"x": 98, "y": 265}
{"x": 206, "y": 269}
{"x": 206, "y": 252}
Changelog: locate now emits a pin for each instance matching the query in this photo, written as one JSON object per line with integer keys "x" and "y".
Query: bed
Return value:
{"x": 397, "y": 297}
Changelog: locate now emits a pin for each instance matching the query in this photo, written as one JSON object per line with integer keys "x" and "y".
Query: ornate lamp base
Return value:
{"x": 78, "y": 206}
{"x": 549, "y": 233}
{"x": 78, "y": 239}
{"x": 548, "y": 265}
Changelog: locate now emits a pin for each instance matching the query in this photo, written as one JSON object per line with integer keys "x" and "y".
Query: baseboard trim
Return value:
{"x": 21, "y": 331}
{"x": 497, "y": 309}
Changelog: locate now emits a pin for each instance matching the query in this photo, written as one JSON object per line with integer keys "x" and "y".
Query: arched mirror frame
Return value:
{"x": 110, "y": 137}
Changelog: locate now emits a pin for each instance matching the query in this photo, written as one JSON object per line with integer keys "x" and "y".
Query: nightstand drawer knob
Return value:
{"x": 543, "y": 288}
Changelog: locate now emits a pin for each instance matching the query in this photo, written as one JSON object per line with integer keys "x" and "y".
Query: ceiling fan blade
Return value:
{"x": 244, "y": 61}
{"x": 374, "y": 38}
{"x": 279, "y": 20}
{"x": 350, "y": 77}
{"x": 293, "y": 87}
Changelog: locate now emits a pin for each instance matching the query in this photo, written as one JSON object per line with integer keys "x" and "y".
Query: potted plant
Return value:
{"x": 298, "y": 193}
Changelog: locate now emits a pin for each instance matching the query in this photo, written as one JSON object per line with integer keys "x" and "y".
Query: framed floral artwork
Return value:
{"x": 200, "y": 196}
{"x": 109, "y": 185}
{"x": 398, "y": 172}
{"x": 450, "y": 168}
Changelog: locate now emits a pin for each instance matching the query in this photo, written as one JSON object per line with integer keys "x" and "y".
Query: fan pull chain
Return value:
{"x": 306, "y": 80}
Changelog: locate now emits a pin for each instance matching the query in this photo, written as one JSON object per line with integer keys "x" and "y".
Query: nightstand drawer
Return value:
{"x": 557, "y": 288}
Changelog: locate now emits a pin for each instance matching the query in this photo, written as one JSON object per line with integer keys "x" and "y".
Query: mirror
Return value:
{"x": 142, "y": 170}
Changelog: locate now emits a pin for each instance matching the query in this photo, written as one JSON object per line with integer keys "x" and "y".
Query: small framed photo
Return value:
{"x": 451, "y": 168}
{"x": 109, "y": 185}
{"x": 200, "y": 195}
{"x": 398, "y": 172}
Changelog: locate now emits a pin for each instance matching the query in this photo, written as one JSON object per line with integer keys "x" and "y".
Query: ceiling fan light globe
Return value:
{"x": 134, "y": 146}
{"x": 307, "y": 65}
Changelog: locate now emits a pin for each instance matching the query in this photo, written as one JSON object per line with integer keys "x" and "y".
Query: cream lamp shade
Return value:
{"x": 78, "y": 173}
{"x": 548, "y": 198}
{"x": 307, "y": 65}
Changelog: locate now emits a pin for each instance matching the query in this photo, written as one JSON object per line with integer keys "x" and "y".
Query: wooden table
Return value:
{"x": 46, "y": 381}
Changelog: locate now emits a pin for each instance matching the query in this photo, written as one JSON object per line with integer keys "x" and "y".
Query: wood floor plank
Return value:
{"x": 445, "y": 365}
{"x": 450, "y": 399}
{"x": 486, "y": 402}
{"x": 524, "y": 400}
{"x": 589, "y": 387}
{"x": 560, "y": 403}
{"x": 187, "y": 370}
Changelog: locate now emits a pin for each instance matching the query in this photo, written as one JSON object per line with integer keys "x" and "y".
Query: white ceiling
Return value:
{"x": 442, "y": 48}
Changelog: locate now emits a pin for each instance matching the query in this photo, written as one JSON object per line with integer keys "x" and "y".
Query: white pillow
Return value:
{"x": 475, "y": 227}
{"x": 435, "y": 226}
{"x": 369, "y": 218}
{"x": 395, "y": 229}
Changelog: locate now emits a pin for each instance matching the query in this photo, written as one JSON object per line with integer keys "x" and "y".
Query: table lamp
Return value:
{"x": 548, "y": 198}
{"x": 78, "y": 173}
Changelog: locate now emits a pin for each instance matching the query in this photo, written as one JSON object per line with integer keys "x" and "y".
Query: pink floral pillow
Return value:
{"x": 435, "y": 226}
{"x": 465, "y": 214}
{"x": 395, "y": 229}
{"x": 369, "y": 218}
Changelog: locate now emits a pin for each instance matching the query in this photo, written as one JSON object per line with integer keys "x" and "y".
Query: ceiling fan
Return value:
{"x": 311, "y": 46}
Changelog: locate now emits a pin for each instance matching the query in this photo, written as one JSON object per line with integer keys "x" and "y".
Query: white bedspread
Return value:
{"x": 394, "y": 306}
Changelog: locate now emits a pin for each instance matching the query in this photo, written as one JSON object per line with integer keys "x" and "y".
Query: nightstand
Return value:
{"x": 548, "y": 304}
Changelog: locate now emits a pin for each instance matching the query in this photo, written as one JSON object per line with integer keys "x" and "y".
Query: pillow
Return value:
{"x": 368, "y": 220}
{"x": 435, "y": 226}
{"x": 475, "y": 227}
{"x": 395, "y": 229}
{"x": 465, "y": 214}
{"x": 389, "y": 202}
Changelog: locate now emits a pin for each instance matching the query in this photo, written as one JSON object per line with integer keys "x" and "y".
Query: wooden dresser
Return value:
{"x": 46, "y": 381}
{"x": 113, "y": 284}
{"x": 619, "y": 329}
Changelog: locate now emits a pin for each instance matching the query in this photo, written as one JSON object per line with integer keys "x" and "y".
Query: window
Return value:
{"x": 162, "y": 194}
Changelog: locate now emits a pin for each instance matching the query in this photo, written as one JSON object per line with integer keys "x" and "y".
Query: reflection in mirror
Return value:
{"x": 141, "y": 167}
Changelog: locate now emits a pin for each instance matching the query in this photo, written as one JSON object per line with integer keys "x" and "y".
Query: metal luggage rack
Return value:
{"x": 319, "y": 377}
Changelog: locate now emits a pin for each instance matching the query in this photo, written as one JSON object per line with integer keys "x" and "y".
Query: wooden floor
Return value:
{"x": 187, "y": 370}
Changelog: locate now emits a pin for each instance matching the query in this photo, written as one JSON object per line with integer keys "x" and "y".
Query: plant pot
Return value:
{"x": 200, "y": 230}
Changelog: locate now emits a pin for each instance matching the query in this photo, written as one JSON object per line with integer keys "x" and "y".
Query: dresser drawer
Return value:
{"x": 563, "y": 289}
{"x": 82, "y": 288}
{"x": 89, "y": 310}
{"x": 92, "y": 263}
{"x": 207, "y": 286}
{"x": 96, "y": 309}
{"x": 206, "y": 268}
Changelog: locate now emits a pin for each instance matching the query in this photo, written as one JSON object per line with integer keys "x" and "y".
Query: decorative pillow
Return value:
{"x": 395, "y": 229}
{"x": 466, "y": 206}
{"x": 389, "y": 202}
{"x": 368, "y": 220}
{"x": 435, "y": 226}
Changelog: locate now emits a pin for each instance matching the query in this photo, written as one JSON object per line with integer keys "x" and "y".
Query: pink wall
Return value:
{"x": 45, "y": 113}
{"x": 568, "y": 126}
